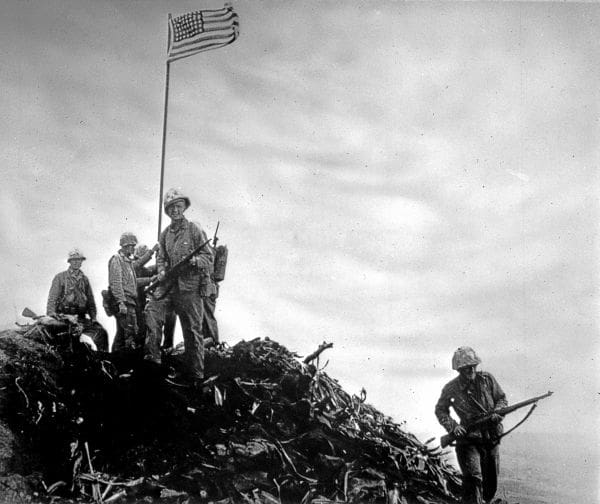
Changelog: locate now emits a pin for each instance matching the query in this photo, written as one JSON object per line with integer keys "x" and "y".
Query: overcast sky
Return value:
{"x": 399, "y": 179}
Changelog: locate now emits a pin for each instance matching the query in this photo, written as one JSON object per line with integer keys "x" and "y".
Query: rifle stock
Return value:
{"x": 174, "y": 271}
{"x": 449, "y": 438}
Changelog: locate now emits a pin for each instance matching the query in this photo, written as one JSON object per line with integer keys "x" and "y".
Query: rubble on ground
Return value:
{"x": 264, "y": 428}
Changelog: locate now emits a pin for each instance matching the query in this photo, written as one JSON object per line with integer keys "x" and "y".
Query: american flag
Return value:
{"x": 203, "y": 30}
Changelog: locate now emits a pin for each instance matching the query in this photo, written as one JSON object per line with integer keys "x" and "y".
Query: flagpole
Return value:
{"x": 164, "y": 139}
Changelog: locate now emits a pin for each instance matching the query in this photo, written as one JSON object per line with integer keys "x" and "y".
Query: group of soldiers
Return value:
{"x": 143, "y": 322}
{"x": 146, "y": 322}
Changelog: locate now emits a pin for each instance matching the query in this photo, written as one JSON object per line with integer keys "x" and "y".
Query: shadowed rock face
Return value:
{"x": 262, "y": 426}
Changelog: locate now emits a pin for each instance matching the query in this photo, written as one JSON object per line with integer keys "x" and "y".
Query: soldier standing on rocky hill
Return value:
{"x": 122, "y": 283}
{"x": 471, "y": 394}
{"x": 71, "y": 294}
{"x": 183, "y": 294}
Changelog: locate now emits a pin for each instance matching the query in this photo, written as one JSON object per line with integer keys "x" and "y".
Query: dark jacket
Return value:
{"x": 175, "y": 243}
{"x": 469, "y": 400}
{"x": 71, "y": 294}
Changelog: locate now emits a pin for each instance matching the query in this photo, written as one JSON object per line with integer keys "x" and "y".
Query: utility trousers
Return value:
{"x": 189, "y": 308}
{"x": 480, "y": 466}
{"x": 127, "y": 336}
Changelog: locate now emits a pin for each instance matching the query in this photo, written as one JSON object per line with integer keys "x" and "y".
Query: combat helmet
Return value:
{"x": 128, "y": 238}
{"x": 464, "y": 356}
{"x": 75, "y": 254}
{"x": 174, "y": 195}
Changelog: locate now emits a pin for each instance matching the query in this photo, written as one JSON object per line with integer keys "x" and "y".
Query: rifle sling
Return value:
{"x": 520, "y": 423}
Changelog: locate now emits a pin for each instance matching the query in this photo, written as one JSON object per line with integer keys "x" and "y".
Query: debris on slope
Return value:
{"x": 264, "y": 428}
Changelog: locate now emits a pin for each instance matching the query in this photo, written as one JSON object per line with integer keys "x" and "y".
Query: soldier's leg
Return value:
{"x": 141, "y": 323}
{"x": 210, "y": 329}
{"x": 131, "y": 328}
{"x": 119, "y": 341}
{"x": 188, "y": 306}
{"x": 469, "y": 460}
{"x": 155, "y": 317}
{"x": 490, "y": 467}
{"x": 169, "y": 329}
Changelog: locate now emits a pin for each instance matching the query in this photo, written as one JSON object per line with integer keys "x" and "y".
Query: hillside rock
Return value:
{"x": 264, "y": 428}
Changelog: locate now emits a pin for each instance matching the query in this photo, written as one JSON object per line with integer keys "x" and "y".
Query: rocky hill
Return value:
{"x": 265, "y": 427}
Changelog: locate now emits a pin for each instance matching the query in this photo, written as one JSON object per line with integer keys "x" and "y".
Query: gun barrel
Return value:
{"x": 526, "y": 402}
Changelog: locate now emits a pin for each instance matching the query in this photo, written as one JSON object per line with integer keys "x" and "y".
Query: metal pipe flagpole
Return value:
{"x": 164, "y": 138}
{"x": 190, "y": 34}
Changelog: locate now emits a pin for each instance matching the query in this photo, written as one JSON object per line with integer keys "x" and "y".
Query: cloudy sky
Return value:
{"x": 399, "y": 179}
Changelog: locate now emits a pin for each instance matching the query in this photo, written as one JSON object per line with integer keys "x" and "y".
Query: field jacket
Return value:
{"x": 469, "y": 400}
{"x": 122, "y": 280}
{"x": 71, "y": 294}
{"x": 175, "y": 242}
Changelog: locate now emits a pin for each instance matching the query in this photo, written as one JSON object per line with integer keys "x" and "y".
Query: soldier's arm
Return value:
{"x": 54, "y": 296}
{"x": 162, "y": 260}
{"x": 141, "y": 261}
{"x": 498, "y": 394}
{"x": 204, "y": 259}
{"x": 442, "y": 411}
{"x": 91, "y": 302}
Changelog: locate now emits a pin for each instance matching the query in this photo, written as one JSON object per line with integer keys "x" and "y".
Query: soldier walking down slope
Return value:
{"x": 471, "y": 394}
{"x": 71, "y": 294}
{"x": 122, "y": 284}
{"x": 184, "y": 293}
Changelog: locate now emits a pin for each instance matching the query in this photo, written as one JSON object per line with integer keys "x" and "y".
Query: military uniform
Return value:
{"x": 122, "y": 283}
{"x": 182, "y": 295}
{"x": 71, "y": 294}
{"x": 478, "y": 451}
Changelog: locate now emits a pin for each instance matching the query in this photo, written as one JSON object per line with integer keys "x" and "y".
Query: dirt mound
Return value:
{"x": 264, "y": 428}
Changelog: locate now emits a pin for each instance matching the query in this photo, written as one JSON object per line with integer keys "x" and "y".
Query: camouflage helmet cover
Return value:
{"x": 464, "y": 356}
{"x": 174, "y": 195}
{"x": 127, "y": 239}
{"x": 75, "y": 254}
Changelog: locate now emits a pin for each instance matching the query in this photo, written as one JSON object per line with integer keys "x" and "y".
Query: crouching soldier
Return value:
{"x": 71, "y": 294}
{"x": 471, "y": 394}
{"x": 122, "y": 284}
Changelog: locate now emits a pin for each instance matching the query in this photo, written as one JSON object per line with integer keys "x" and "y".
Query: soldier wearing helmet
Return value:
{"x": 71, "y": 294}
{"x": 184, "y": 294}
{"x": 471, "y": 394}
{"x": 122, "y": 284}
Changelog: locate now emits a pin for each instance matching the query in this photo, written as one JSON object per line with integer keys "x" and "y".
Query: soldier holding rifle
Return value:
{"x": 480, "y": 403}
{"x": 184, "y": 292}
{"x": 471, "y": 394}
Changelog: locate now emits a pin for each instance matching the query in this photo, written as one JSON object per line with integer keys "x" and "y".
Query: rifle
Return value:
{"x": 215, "y": 239}
{"x": 174, "y": 271}
{"x": 478, "y": 421}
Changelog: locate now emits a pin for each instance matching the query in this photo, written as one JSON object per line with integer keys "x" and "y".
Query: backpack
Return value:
{"x": 220, "y": 263}
{"x": 109, "y": 303}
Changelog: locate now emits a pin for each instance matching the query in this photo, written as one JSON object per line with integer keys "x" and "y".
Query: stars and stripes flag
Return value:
{"x": 202, "y": 30}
